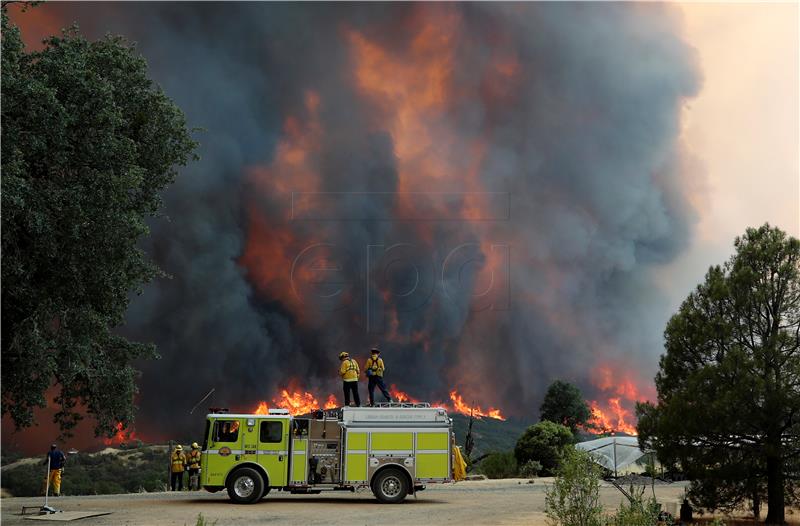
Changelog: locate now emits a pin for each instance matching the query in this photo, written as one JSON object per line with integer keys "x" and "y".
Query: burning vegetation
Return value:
{"x": 614, "y": 413}
{"x": 120, "y": 437}
{"x": 301, "y": 402}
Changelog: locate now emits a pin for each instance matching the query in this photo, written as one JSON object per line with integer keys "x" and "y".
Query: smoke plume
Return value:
{"x": 482, "y": 190}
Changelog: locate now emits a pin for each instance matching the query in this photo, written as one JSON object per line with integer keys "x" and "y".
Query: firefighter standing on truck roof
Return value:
{"x": 193, "y": 465}
{"x": 375, "y": 369}
{"x": 177, "y": 467}
{"x": 349, "y": 373}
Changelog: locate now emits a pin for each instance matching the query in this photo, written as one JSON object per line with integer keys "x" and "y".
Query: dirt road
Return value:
{"x": 475, "y": 502}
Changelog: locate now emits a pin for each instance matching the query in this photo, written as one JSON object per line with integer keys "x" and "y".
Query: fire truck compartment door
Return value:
{"x": 433, "y": 455}
{"x": 273, "y": 454}
{"x": 299, "y": 460}
{"x": 355, "y": 457}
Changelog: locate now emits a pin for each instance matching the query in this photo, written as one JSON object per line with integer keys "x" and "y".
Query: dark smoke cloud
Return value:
{"x": 583, "y": 145}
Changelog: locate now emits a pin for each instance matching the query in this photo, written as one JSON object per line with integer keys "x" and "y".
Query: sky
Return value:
{"x": 742, "y": 129}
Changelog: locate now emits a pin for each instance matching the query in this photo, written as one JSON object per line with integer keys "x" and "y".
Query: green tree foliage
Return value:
{"x": 499, "y": 465}
{"x": 728, "y": 412}
{"x": 564, "y": 404}
{"x": 88, "y": 142}
{"x": 574, "y": 497}
{"x": 545, "y": 443}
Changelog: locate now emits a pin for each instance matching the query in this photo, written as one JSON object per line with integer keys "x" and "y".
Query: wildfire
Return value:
{"x": 296, "y": 402}
{"x": 458, "y": 406}
{"x": 300, "y": 402}
{"x": 461, "y": 407}
{"x": 120, "y": 436}
{"x": 613, "y": 416}
{"x": 401, "y": 396}
{"x": 331, "y": 402}
{"x": 613, "y": 419}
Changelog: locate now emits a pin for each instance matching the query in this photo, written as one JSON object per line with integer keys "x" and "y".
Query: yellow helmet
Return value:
{"x": 343, "y": 355}
{"x": 194, "y": 445}
{"x": 178, "y": 448}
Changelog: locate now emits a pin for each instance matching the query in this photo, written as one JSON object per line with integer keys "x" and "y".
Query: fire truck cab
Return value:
{"x": 393, "y": 449}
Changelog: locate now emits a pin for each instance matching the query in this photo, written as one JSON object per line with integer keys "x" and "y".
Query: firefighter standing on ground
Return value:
{"x": 57, "y": 460}
{"x": 375, "y": 369}
{"x": 193, "y": 465}
{"x": 349, "y": 372}
{"x": 177, "y": 467}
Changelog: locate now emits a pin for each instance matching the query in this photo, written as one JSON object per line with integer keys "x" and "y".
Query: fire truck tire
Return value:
{"x": 390, "y": 486}
{"x": 265, "y": 492}
{"x": 245, "y": 486}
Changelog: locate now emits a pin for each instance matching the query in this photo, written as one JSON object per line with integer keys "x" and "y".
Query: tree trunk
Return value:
{"x": 756, "y": 505}
{"x": 775, "y": 497}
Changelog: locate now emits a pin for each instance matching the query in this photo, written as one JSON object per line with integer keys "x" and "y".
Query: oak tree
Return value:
{"x": 564, "y": 404}
{"x": 88, "y": 143}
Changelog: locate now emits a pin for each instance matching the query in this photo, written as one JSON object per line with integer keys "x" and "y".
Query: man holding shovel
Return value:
{"x": 55, "y": 460}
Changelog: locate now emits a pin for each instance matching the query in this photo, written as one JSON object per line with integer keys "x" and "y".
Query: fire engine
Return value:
{"x": 393, "y": 449}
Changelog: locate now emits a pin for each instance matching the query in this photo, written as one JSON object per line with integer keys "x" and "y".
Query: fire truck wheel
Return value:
{"x": 390, "y": 486}
{"x": 265, "y": 492}
{"x": 245, "y": 486}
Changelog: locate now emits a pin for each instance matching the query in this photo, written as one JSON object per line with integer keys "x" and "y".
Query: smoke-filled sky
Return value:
{"x": 498, "y": 195}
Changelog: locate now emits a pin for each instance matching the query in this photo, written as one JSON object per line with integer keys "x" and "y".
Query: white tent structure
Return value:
{"x": 613, "y": 453}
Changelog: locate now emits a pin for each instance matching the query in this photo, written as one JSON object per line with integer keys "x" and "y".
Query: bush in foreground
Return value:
{"x": 500, "y": 465}
{"x": 573, "y": 499}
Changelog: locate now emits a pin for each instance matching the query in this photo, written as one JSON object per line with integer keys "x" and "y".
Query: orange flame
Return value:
{"x": 301, "y": 402}
{"x": 401, "y": 396}
{"x": 611, "y": 420}
{"x": 120, "y": 436}
{"x": 331, "y": 402}
{"x": 297, "y": 402}
{"x": 612, "y": 416}
{"x": 462, "y": 407}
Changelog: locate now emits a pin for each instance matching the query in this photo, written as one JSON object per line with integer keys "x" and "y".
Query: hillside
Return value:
{"x": 489, "y": 434}
{"x": 105, "y": 472}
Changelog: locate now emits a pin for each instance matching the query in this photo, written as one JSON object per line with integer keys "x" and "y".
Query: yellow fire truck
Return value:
{"x": 393, "y": 449}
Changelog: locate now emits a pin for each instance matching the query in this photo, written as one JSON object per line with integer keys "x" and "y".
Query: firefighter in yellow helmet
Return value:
{"x": 177, "y": 467}
{"x": 375, "y": 368}
{"x": 193, "y": 465}
{"x": 349, "y": 372}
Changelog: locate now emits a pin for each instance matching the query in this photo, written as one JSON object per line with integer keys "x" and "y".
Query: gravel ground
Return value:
{"x": 495, "y": 502}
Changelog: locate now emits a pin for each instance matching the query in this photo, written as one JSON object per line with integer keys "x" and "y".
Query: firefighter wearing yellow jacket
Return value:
{"x": 375, "y": 369}
{"x": 177, "y": 467}
{"x": 349, "y": 372}
{"x": 193, "y": 466}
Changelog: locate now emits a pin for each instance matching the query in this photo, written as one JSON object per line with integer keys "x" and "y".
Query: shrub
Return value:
{"x": 499, "y": 465}
{"x": 530, "y": 469}
{"x": 202, "y": 521}
{"x": 573, "y": 499}
{"x": 638, "y": 512}
{"x": 543, "y": 442}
